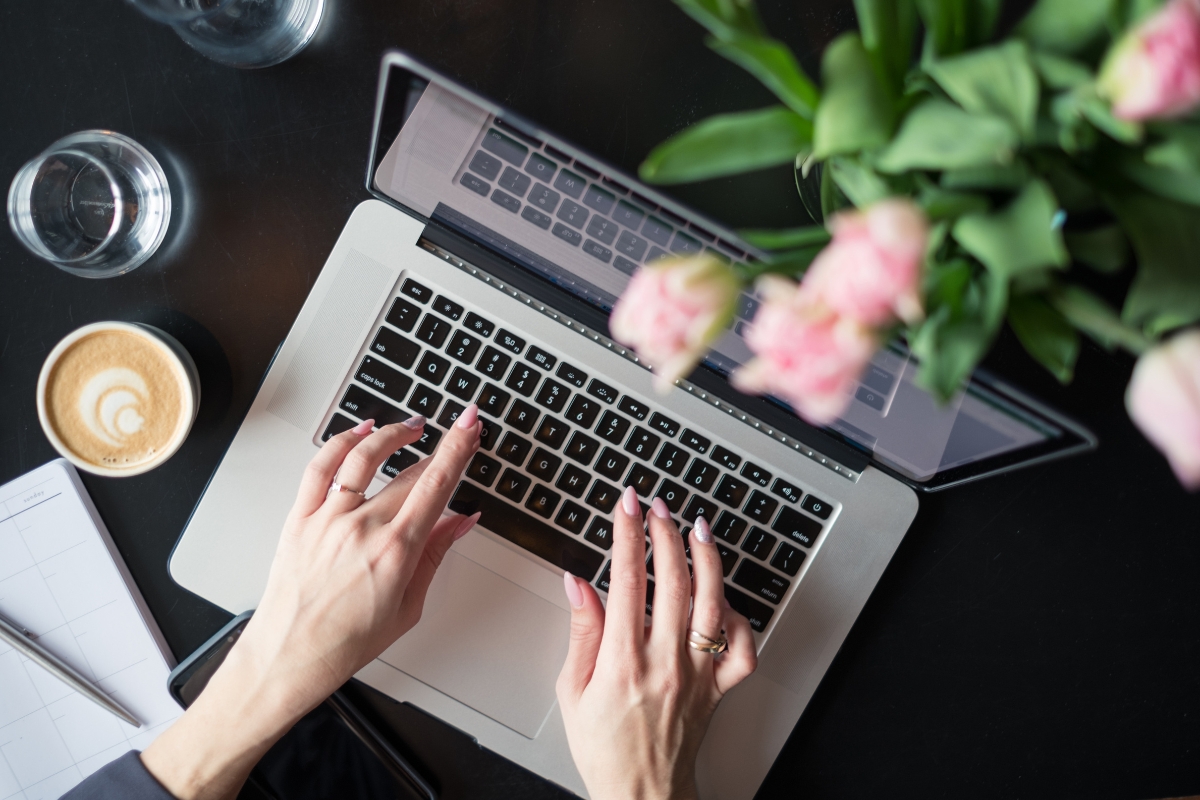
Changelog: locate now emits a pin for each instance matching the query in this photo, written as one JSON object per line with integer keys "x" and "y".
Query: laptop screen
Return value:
{"x": 457, "y": 159}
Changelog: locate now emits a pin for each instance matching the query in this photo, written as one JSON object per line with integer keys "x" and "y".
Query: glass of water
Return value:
{"x": 240, "y": 33}
{"x": 94, "y": 203}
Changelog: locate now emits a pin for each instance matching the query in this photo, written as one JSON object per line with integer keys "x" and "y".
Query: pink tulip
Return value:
{"x": 871, "y": 271}
{"x": 672, "y": 310}
{"x": 1154, "y": 70}
{"x": 805, "y": 353}
{"x": 1164, "y": 401}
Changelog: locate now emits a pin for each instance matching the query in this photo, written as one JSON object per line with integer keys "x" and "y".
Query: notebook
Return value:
{"x": 62, "y": 579}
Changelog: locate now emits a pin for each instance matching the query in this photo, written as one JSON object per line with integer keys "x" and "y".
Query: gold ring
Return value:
{"x": 698, "y": 641}
{"x": 337, "y": 487}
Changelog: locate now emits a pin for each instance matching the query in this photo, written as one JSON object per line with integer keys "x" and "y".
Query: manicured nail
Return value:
{"x": 414, "y": 422}
{"x": 574, "y": 593}
{"x": 465, "y": 526}
{"x": 703, "y": 532}
{"x": 364, "y": 427}
{"x": 468, "y": 417}
{"x": 659, "y": 509}
{"x": 629, "y": 502}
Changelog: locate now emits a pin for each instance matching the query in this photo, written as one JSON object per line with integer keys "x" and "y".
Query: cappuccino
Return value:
{"x": 116, "y": 399}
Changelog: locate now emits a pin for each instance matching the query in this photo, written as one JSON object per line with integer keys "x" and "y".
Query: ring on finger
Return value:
{"x": 698, "y": 641}
{"x": 337, "y": 487}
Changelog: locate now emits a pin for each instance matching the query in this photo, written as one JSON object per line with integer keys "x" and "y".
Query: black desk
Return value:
{"x": 1036, "y": 635}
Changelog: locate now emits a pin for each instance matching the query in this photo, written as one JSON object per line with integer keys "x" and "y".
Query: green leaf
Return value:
{"x": 1059, "y": 72}
{"x": 1021, "y": 237}
{"x": 957, "y": 333}
{"x": 944, "y": 204}
{"x": 887, "y": 28}
{"x": 832, "y": 199}
{"x": 728, "y": 144}
{"x": 996, "y": 80}
{"x": 723, "y": 18}
{"x": 952, "y": 26}
{"x": 1177, "y": 145}
{"x": 1103, "y": 249}
{"x": 857, "y": 182}
{"x": 786, "y": 238}
{"x": 856, "y": 112}
{"x": 940, "y": 135}
{"x": 1169, "y": 183}
{"x": 1074, "y": 192}
{"x": 992, "y": 177}
{"x": 1071, "y": 108}
{"x": 1094, "y": 317}
{"x": 1064, "y": 26}
{"x": 1045, "y": 334}
{"x": 772, "y": 63}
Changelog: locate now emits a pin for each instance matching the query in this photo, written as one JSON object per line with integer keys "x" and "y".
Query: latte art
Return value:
{"x": 108, "y": 404}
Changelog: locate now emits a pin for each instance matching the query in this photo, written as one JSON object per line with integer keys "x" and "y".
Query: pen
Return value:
{"x": 20, "y": 639}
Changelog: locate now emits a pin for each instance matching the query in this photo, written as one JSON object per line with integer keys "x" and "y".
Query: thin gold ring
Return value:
{"x": 698, "y": 641}
{"x": 337, "y": 487}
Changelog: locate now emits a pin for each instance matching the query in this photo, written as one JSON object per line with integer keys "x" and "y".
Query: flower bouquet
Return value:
{"x": 960, "y": 177}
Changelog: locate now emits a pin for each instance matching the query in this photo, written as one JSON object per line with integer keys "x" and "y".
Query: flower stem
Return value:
{"x": 1097, "y": 319}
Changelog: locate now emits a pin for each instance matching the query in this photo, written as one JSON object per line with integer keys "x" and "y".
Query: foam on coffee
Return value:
{"x": 115, "y": 399}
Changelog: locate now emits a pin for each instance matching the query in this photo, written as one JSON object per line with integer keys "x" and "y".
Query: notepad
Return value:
{"x": 62, "y": 579}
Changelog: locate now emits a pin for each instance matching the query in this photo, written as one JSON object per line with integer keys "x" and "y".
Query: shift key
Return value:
{"x": 383, "y": 379}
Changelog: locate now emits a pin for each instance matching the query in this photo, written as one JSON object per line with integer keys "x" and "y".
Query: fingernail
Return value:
{"x": 629, "y": 502}
{"x": 364, "y": 427}
{"x": 465, "y": 526}
{"x": 414, "y": 422}
{"x": 703, "y": 532}
{"x": 659, "y": 509}
{"x": 468, "y": 417}
{"x": 574, "y": 593}
{"x": 727, "y": 604}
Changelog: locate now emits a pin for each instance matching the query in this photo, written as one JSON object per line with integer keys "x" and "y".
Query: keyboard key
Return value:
{"x": 568, "y": 235}
{"x": 485, "y": 165}
{"x": 788, "y": 559}
{"x": 797, "y": 527}
{"x": 338, "y": 423}
{"x": 729, "y": 557}
{"x": 478, "y": 325}
{"x": 398, "y": 462}
{"x": 573, "y": 480}
{"x": 433, "y": 331}
{"x": 509, "y": 149}
{"x": 817, "y": 507}
{"x": 489, "y": 432}
{"x": 403, "y": 315}
{"x": 573, "y": 214}
{"x": 492, "y": 400}
{"x": 729, "y": 528}
{"x": 672, "y": 494}
{"x": 671, "y": 460}
{"x": 463, "y": 347}
{"x": 570, "y": 184}
{"x": 725, "y": 458}
{"x": 642, "y": 443}
{"x": 603, "y": 496}
{"x": 544, "y": 198}
{"x": 476, "y": 185}
{"x": 553, "y": 395}
{"x": 628, "y": 215}
{"x": 541, "y": 358}
{"x": 633, "y": 408}
{"x": 655, "y": 254}
{"x": 514, "y": 449}
{"x": 417, "y": 291}
{"x": 695, "y": 441}
{"x": 525, "y": 530}
{"x": 603, "y": 229}
{"x": 513, "y": 485}
{"x": 428, "y": 441}
{"x": 600, "y": 533}
{"x": 700, "y": 476}
{"x": 510, "y": 342}
{"x": 571, "y": 375}
{"x": 581, "y": 448}
{"x": 642, "y": 479}
{"x": 611, "y": 464}
{"x": 761, "y": 582}
{"x": 632, "y": 246}
{"x": 596, "y": 250}
{"x": 365, "y": 405}
{"x": 506, "y": 201}
{"x": 541, "y": 167}
{"x": 493, "y": 363}
{"x": 582, "y": 411}
{"x": 462, "y": 384}
{"x": 602, "y": 391}
{"x": 760, "y": 507}
{"x": 664, "y": 425}
{"x": 755, "y": 474}
{"x": 433, "y": 368}
{"x": 515, "y": 182}
{"x": 424, "y": 400}
{"x": 483, "y": 469}
{"x": 383, "y": 379}
{"x": 395, "y": 348}
{"x": 685, "y": 245}
{"x": 447, "y": 307}
{"x": 597, "y": 198}
{"x": 731, "y": 491}
{"x": 449, "y": 414}
{"x": 552, "y": 432}
{"x": 523, "y": 380}
{"x": 625, "y": 265}
{"x": 757, "y": 612}
{"x": 657, "y": 231}
{"x": 870, "y": 398}
{"x": 786, "y": 490}
{"x": 612, "y": 427}
{"x": 536, "y": 217}
{"x": 759, "y": 543}
{"x": 572, "y": 517}
{"x": 700, "y": 506}
{"x": 542, "y": 501}
{"x": 543, "y": 465}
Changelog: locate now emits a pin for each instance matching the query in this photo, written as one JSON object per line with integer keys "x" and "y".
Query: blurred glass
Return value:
{"x": 240, "y": 33}
{"x": 94, "y": 203}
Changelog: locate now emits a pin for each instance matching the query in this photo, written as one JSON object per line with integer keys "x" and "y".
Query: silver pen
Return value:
{"x": 21, "y": 640}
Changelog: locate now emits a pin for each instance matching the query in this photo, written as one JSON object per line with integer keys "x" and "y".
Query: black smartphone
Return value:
{"x": 334, "y": 751}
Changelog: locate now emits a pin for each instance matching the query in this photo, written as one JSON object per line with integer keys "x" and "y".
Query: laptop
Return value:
{"x": 483, "y": 271}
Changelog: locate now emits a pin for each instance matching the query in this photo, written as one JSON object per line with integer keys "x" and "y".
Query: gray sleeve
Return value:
{"x": 123, "y": 779}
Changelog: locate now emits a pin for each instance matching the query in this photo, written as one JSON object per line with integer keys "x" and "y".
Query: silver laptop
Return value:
{"x": 484, "y": 272}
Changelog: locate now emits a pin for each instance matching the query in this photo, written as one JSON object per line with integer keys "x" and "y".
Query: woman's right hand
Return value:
{"x": 637, "y": 701}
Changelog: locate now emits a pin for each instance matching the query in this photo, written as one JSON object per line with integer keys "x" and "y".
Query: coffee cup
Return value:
{"x": 117, "y": 398}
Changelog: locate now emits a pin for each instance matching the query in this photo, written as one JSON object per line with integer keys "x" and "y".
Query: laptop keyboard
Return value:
{"x": 558, "y": 445}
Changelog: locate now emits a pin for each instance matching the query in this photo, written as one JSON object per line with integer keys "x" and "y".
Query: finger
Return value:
{"x": 625, "y": 617}
{"x": 384, "y": 505}
{"x": 740, "y": 659}
{"x": 445, "y": 533}
{"x": 364, "y": 460}
{"x": 587, "y": 632}
{"x": 708, "y": 610}
{"x": 672, "y": 584}
{"x": 324, "y": 465}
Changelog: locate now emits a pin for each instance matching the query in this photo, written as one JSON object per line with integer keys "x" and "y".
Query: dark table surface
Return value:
{"x": 1036, "y": 635}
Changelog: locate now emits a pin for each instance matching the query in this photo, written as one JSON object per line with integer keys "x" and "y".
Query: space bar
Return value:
{"x": 526, "y": 531}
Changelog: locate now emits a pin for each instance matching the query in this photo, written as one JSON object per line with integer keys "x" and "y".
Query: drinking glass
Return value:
{"x": 95, "y": 203}
{"x": 240, "y": 33}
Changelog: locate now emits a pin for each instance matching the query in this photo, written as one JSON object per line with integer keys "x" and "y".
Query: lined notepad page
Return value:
{"x": 62, "y": 579}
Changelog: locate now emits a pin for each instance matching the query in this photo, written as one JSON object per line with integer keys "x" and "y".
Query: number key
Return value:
{"x": 433, "y": 331}
{"x": 671, "y": 459}
{"x": 700, "y": 476}
{"x": 553, "y": 395}
{"x": 522, "y": 380}
{"x": 493, "y": 363}
{"x": 642, "y": 443}
{"x": 582, "y": 411}
{"x": 612, "y": 427}
{"x": 463, "y": 346}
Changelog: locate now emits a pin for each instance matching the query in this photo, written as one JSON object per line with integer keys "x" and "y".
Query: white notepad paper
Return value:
{"x": 62, "y": 579}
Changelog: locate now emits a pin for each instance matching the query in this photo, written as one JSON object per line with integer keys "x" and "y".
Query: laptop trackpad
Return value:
{"x": 488, "y": 643}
